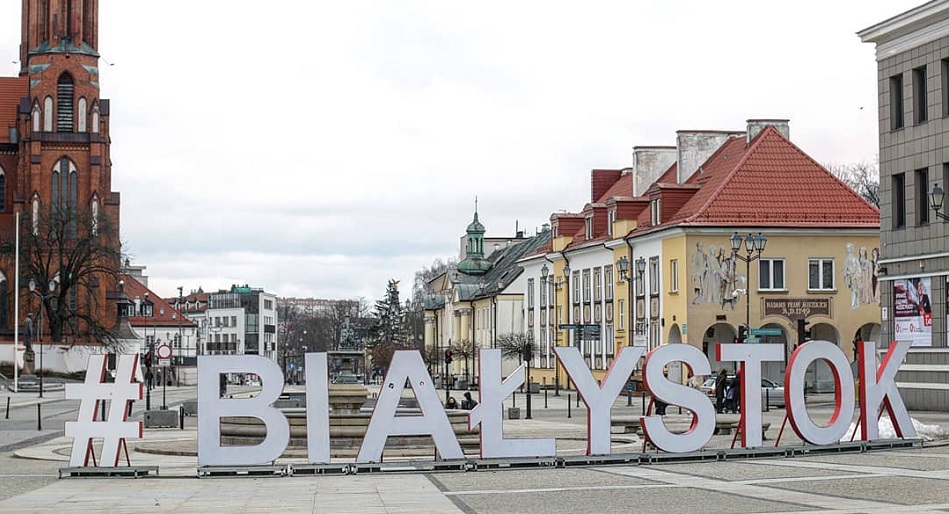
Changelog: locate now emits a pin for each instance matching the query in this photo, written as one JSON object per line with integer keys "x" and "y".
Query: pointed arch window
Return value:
{"x": 37, "y": 117}
{"x": 95, "y": 118}
{"x": 81, "y": 116}
{"x": 95, "y": 216}
{"x": 64, "y": 103}
{"x": 35, "y": 215}
{"x": 64, "y": 189}
{"x": 48, "y": 114}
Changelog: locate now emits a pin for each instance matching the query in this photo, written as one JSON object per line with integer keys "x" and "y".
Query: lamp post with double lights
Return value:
{"x": 39, "y": 329}
{"x": 623, "y": 266}
{"x": 754, "y": 245}
{"x": 936, "y": 196}
{"x": 566, "y": 282}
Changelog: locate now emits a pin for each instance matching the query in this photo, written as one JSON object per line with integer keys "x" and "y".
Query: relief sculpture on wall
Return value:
{"x": 714, "y": 277}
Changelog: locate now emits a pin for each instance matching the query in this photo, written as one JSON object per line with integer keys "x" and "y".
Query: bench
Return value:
{"x": 680, "y": 424}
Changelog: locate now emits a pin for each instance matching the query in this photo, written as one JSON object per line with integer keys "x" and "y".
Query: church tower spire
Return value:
{"x": 58, "y": 27}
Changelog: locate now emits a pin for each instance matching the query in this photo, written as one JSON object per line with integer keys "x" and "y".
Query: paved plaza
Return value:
{"x": 889, "y": 480}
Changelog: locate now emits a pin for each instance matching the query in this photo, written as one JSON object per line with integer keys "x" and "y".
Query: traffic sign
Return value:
{"x": 751, "y": 340}
{"x": 163, "y": 351}
{"x": 766, "y": 331}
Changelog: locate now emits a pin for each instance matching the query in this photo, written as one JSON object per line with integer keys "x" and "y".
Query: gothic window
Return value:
{"x": 81, "y": 115}
{"x": 64, "y": 189}
{"x": 36, "y": 215}
{"x": 95, "y": 119}
{"x": 64, "y": 103}
{"x": 3, "y": 191}
{"x": 48, "y": 114}
{"x": 37, "y": 117}
{"x": 95, "y": 216}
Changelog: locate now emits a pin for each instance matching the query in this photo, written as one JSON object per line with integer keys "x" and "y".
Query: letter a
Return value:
{"x": 408, "y": 365}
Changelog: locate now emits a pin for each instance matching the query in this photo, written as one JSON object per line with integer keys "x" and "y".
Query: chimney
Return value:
{"x": 755, "y": 126}
{"x": 649, "y": 163}
{"x": 694, "y": 147}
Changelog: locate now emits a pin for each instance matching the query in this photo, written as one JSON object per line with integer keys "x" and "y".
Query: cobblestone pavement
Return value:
{"x": 903, "y": 480}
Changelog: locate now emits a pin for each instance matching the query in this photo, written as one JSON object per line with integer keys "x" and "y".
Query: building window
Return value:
{"x": 530, "y": 293}
{"x": 37, "y": 117}
{"x": 588, "y": 227}
{"x": 922, "y": 196}
{"x": 610, "y": 219}
{"x": 81, "y": 115}
{"x": 771, "y": 274}
{"x": 608, "y": 280}
{"x": 597, "y": 284}
{"x": 48, "y": 114}
{"x": 586, "y": 286}
{"x": 95, "y": 119}
{"x": 64, "y": 103}
{"x": 896, "y": 102}
{"x": 674, "y": 276}
{"x": 543, "y": 291}
{"x": 945, "y": 87}
{"x": 655, "y": 211}
{"x": 654, "y": 275}
{"x": 64, "y": 188}
{"x": 899, "y": 200}
{"x": 36, "y": 215}
{"x": 820, "y": 274}
{"x": 621, "y": 314}
{"x": 576, "y": 287}
{"x": 920, "y": 104}
{"x": 95, "y": 216}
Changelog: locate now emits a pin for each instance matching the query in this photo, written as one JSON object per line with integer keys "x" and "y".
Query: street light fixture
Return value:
{"x": 754, "y": 245}
{"x": 623, "y": 266}
{"x": 39, "y": 338}
{"x": 936, "y": 196}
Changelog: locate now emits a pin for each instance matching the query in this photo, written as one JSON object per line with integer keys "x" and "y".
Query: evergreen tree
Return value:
{"x": 389, "y": 332}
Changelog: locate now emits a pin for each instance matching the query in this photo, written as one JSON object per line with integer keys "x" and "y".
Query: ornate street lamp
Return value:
{"x": 754, "y": 245}
{"x": 936, "y": 196}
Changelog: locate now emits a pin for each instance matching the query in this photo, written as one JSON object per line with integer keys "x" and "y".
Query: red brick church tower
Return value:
{"x": 54, "y": 155}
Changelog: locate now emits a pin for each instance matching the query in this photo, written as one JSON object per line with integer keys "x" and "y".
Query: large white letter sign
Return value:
{"x": 211, "y": 408}
{"x": 408, "y": 365}
{"x": 750, "y": 356}
{"x": 489, "y": 413}
{"x": 794, "y": 384}
{"x": 878, "y": 386}
{"x": 114, "y": 428}
{"x": 317, "y": 409}
{"x": 599, "y": 400}
{"x": 703, "y": 413}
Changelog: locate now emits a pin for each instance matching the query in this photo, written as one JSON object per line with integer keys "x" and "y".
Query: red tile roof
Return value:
{"x": 11, "y": 90}
{"x": 622, "y": 187}
{"x": 771, "y": 182}
{"x": 171, "y": 317}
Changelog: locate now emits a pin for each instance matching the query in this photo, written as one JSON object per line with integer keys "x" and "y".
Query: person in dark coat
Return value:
{"x": 721, "y": 382}
{"x": 468, "y": 403}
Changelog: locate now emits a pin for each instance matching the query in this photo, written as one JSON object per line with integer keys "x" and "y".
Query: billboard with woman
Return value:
{"x": 913, "y": 311}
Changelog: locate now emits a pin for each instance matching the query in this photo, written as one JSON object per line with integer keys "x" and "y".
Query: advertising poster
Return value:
{"x": 913, "y": 311}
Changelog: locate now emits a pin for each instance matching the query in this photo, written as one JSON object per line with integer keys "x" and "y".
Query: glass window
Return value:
{"x": 622, "y": 314}
{"x": 654, "y": 275}
{"x": 896, "y": 102}
{"x": 586, "y": 286}
{"x": 771, "y": 274}
{"x": 597, "y": 284}
{"x": 920, "y": 103}
{"x": 674, "y": 275}
{"x": 608, "y": 280}
{"x": 820, "y": 274}
{"x": 530, "y": 293}
{"x": 576, "y": 287}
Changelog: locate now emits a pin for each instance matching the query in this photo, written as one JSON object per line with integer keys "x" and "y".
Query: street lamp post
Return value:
{"x": 936, "y": 196}
{"x": 754, "y": 245}
{"x": 528, "y": 356}
{"x": 623, "y": 266}
{"x": 43, "y": 298}
{"x": 566, "y": 281}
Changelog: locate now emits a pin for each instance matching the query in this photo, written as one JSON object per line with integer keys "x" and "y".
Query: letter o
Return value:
{"x": 794, "y": 383}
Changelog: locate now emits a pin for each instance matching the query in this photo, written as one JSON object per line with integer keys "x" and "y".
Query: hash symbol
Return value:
{"x": 115, "y": 428}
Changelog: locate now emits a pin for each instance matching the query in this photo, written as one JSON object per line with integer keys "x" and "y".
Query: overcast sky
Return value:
{"x": 321, "y": 148}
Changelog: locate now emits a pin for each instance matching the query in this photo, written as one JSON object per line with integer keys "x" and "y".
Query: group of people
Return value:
{"x": 727, "y": 392}
{"x": 467, "y": 404}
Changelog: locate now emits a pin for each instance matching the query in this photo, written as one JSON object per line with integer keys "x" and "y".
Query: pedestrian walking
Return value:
{"x": 720, "y": 385}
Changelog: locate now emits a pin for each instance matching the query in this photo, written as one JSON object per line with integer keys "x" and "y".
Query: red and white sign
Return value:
{"x": 164, "y": 351}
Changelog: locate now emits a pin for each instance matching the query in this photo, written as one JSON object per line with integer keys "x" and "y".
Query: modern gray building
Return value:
{"x": 912, "y": 52}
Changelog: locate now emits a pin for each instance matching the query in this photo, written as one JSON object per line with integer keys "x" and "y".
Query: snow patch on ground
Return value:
{"x": 923, "y": 431}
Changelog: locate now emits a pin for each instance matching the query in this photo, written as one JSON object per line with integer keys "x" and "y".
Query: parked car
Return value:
{"x": 771, "y": 392}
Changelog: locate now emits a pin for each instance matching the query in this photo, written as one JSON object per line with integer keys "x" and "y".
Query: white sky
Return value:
{"x": 321, "y": 148}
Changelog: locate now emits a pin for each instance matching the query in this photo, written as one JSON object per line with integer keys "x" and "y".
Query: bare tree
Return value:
{"x": 466, "y": 350}
{"x": 515, "y": 345}
{"x": 80, "y": 252}
{"x": 862, "y": 177}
